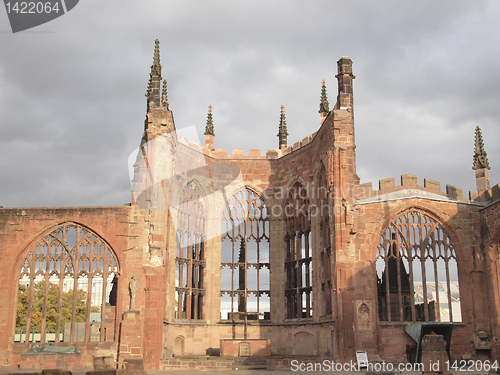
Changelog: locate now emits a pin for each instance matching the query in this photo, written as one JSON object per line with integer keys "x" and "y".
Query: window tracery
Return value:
{"x": 245, "y": 287}
{"x": 190, "y": 259}
{"x": 417, "y": 271}
{"x": 298, "y": 264}
{"x": 70, "y": 258}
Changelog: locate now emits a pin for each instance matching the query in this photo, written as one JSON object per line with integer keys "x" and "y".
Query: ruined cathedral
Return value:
{"x": 277, "y": 254}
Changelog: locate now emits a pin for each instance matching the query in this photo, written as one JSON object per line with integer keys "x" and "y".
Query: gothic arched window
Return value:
{"x": 245, "y": 258}
{"x": 70, "y": 258}
{"x": 417, "y": 272}
{"x": 190, "y": 263}
{"x": 298, "y": 264}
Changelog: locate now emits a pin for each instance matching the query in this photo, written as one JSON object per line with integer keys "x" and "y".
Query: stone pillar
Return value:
{"x": 344, "y": 77}
{"x": 482, "y": 179}
{"x": 365, "y": 332}
{"x": 434, "y": 355}
{"x": 209, "y": 141}
{"x": 131, "y": 336}
{"x": 282, "y": 141}
{"x": 153, "y": 321}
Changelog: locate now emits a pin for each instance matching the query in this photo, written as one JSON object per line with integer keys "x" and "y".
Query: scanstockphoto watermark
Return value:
{"x": 325, "y": 365}
{"x": 162, "y": 168}
{"x": 329, "y": 365}
{"x": 25, "y": 15}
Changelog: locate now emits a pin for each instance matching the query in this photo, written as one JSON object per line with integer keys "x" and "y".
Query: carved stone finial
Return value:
{"x": 324, "y": 107}
{"x": 153, "y": 91}
{"x": 209, "y": 129}
{"x": 156, "y": 67}
{"x": 164, "y": 99}
{"x": 282, "y": 131}
{"x": 282, "y": 127}
{"x": 480, "y": 157}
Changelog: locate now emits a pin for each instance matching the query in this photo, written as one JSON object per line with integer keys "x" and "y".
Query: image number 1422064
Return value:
{"x": 32, "y": 7}
{"x": 25, "y": 15}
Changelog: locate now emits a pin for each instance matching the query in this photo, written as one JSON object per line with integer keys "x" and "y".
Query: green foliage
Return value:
{"x": 52, "y": 305}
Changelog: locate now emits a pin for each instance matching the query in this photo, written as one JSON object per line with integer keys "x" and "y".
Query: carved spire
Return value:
{"x": 164, "y": 99}
{"x": 282, "y": 132}
{"x": 209, "y": 129}
{"x": 156, "y": 67}
{"x": 480, "y": 157}
{"x": 153, "y": 92}
{"x": 323, "y": 104}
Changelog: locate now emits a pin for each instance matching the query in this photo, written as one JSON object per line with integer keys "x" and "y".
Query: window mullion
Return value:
{"x": 76, "y": 271}
{"x": 424, "y": 251}
{"x": 189, "y": 276}
{"x": 412, "y": 285}
{"x": 437, "y": 311}
{"x": 387, "y": 286}
{"x": 30, "y": 305}
{"x": 400, "y": 294}
{"x": 43, "y": 327}
{"x": 446, "y": 262}
{"x": 90, "y": 257}
{"x": 60, "y": 297}
{"x": 104, "y": 294}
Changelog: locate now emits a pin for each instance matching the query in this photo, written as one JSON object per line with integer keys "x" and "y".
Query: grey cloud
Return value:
{"x": 73, "y": 106}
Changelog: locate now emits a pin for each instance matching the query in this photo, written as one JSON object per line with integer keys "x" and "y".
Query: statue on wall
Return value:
{"x": 133, "y": 291}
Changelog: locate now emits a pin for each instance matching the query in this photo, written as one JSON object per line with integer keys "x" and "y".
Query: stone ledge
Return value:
{"x": 201, "y": 364}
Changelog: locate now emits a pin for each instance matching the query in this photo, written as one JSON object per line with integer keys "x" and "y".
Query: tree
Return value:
{"x": 52, "y": 303}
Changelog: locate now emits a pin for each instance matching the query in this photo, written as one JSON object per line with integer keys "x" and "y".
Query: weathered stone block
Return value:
{"x": 409, "y": 181}
{"x": 454, "y": 192}
{"x": 434, "y": 355}
{"x": 432, "y": 185}
{"x": 386, "y": 185}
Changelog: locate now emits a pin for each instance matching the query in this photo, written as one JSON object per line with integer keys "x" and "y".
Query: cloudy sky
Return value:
{"x": 72, "y": 102}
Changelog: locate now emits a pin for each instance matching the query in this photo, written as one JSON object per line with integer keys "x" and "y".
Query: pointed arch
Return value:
{"x": 192, "y": 210}
{"x": 417, "y": 270}
{"x": 321, "y": 164}
{"x": 301, "y": 182}
{"x": 235, "y": 190}
{"x": 65, "y": 281}
{"x": 245, "y": 270}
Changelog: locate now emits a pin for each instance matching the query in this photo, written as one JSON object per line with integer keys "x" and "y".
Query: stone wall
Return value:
{"x": 143, "y": 237}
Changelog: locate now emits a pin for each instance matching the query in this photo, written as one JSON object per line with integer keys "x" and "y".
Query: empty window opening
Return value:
{"x": 190, "y": 259}
{"x": 298, "y": 264}
{"x": 417, "y": 271}
{"x": 245, "y": 258}
{"x": 67, "y": 289}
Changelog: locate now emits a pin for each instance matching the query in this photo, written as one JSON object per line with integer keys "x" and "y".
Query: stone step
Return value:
{"x": 250, "y": 363}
